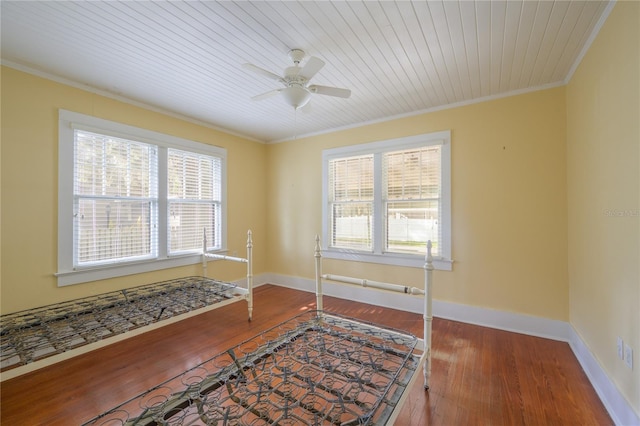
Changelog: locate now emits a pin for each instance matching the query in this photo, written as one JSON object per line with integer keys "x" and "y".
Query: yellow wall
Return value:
{"x": 30, "y": 185}
{"x": 508, "y": 203}
{"x": 603, "y": 163}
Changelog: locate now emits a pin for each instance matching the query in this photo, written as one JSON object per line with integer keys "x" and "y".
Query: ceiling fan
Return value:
{"x": 297, "y": 91}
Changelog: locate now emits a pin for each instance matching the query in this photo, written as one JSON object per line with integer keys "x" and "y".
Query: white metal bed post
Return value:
{"x": 204, "y": 252}
{"x": 248, "y": 261}
{"x": 428, "y": 315}
{"x": 249, "y": 274}
{"x": 318, "y": 257}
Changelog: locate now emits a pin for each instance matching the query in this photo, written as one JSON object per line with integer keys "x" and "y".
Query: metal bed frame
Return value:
{"x": 35, "y": 338}
{"x": 427, "y": 293}
{"x": 317, "y": 368}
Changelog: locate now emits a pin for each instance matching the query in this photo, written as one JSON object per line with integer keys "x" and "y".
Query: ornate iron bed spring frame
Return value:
{"x": 35, "y": 338}
{"x": 317, "y": 368}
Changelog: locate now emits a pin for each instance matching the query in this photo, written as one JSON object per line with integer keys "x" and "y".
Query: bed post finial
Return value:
{"x": 318, "y": 257}
{"x": 428, "y": 315}
{"x": 250, "y": 274}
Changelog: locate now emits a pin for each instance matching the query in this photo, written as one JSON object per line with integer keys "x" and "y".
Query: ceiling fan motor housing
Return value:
{"x": 291, "y": 75}
{"x": 296, "y": 55}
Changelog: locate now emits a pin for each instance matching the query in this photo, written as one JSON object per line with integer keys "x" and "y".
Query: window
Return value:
{"x": 115, "y": 199}
{"x": 194, "y": 199}
{"x": 383, "y": 201}
{"x": 132, "y": 200}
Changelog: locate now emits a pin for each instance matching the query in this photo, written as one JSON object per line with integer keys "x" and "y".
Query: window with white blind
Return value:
{"x": 115, "y": 199}
{"x": 194, "y": 200}
{"x": 133, "y": 200}
{"x": 383, "y": 201}
{"x": 351, "y": 200}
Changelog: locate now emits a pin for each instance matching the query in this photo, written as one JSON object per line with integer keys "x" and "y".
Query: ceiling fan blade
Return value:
{"x": 263, "y": 72}
{"x": 266, "y": 95}
{"x": 310, "y": 69}
{"x": 330, "y": 91}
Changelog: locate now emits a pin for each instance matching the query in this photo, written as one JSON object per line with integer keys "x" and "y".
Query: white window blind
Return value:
{"x": 351, "y": 199}
{"x": 115, "y": 199}
{"x": 411, "y": 197}
{"x": 194, "y": 200}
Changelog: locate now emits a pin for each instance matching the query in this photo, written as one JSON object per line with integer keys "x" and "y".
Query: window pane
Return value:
{"x": 411, "y": 224}
{"x": 413, "y": 174}
{"x": 194, "y": 176}
{"x": 114, "y": 190}
{"x": 112, "y": 230}
{"x": 195, "y": 190}
{"x": 352, "y": 226}
{"x": 351, "y": 179}
{"x": 187, "y": 222}
{"x": 412, "y": 197}
{"x": 112, "y": 167}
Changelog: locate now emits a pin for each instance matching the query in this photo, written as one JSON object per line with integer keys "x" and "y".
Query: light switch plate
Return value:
{"x": 628, "y": 356}
{"x": 620, "y": 347}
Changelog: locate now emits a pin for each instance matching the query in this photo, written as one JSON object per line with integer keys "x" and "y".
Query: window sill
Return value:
{"x": 411, "y": 261}
{"x": 104, "y": 272}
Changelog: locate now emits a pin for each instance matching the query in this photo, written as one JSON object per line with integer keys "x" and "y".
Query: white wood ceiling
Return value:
{"x": 397, "y": 57}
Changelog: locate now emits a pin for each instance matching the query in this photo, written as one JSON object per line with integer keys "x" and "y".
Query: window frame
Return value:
{"x": 68, "y": 273}
{"x": 441, "y": 262}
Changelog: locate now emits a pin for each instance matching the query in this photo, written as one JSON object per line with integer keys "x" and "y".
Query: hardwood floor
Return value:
{"x": 480, "y": 376}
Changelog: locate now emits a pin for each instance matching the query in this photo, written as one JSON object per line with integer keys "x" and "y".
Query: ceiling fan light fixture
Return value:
{"x": 296, "y": 96}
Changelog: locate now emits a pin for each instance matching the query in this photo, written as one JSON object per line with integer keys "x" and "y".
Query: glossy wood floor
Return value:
{"x": 480, "y": 376}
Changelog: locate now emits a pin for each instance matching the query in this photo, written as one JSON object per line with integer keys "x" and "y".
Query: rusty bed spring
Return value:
{"x": 314, "y": 369}
{"x": 35, "y": 334}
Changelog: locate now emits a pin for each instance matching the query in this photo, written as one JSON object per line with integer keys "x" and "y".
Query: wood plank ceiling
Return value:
{"x": 397, "y": 57}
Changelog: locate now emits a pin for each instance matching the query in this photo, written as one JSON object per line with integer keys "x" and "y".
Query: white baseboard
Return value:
{"x": 618, "y": 407}
{"x": 518, "y": 323}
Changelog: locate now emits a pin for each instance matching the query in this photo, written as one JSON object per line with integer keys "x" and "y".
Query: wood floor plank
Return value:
{"x": 479, "y": 375}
